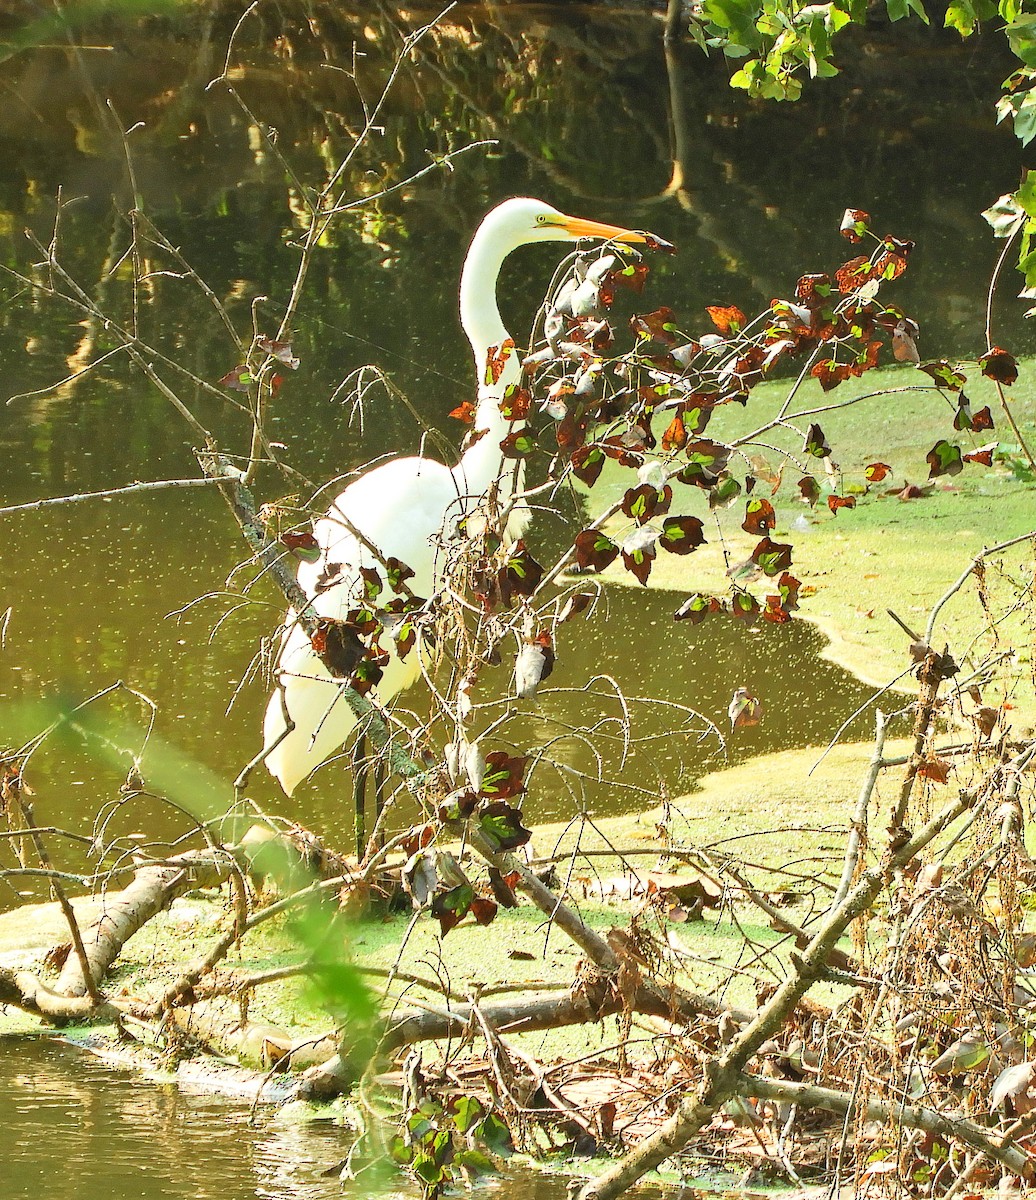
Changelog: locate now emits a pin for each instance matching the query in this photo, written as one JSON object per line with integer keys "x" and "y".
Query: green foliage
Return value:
{"x": 1016, "y": 213}
{"x": 776, "y": 41}
{"x": 776, "y": 38}
{"x": 1010, "y": 456}
{"x": 964, "y": 15}
{"x": 440, "y": 1144}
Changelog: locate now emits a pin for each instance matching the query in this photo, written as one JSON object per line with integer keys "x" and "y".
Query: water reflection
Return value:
{"x": 72, "y": 1129}
{"x": 751, "y": 193}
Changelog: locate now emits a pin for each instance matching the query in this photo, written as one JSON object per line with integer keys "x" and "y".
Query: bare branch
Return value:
{"x": 158, "y": 485}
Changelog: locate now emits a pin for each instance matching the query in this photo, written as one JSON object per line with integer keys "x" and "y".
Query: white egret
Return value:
{"x": 403, "y": 506}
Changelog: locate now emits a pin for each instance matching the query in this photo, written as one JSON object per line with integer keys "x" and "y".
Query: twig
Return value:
{"x": 858, "y": 831}
{"x": 722, "y": 1074}
{"x": 157, "y": 485}
{"x": 25, "y": 807}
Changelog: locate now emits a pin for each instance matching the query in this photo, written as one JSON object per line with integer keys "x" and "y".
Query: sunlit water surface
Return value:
{"x": 73, "y": 1129}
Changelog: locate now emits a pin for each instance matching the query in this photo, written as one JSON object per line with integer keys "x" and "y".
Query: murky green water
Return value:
{"x": 587, "y": 112}
{"x": 73, "y": 1128}
{"x": 633, "y": 648}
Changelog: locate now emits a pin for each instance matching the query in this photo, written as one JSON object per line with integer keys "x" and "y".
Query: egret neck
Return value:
{"x": 497, "y": 367}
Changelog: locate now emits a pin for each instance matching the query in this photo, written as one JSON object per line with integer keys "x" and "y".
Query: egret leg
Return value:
{"x": 360, "y": 767}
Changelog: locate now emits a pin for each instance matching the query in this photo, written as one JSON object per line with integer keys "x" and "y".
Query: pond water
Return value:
{"x": 587, "y": 111}
{"x": 75, "y": 1129}
{"x": 110, "y": 1135}
{"x": 633, "y": 644}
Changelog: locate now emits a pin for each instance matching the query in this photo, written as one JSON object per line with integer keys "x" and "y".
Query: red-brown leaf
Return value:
{"x": 854, "y": 224}
{"x": 496, "y": 360}
{"x": 831, "y": 373}
{"x": 759, "y": 517}
{"x": 465, "y": 411}
{"x": 834, "y": 503}
{"x": 728, "y": 319}
{"x": 999, "y": 365}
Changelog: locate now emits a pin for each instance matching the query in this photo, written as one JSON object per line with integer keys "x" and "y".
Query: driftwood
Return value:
{"x": 153, "y": 889}
{"x": 503, "y": 1016}
{"x": 24, "y": 990}
{"x": 253, "y": 1043}
{"x": 913, "y": 1116}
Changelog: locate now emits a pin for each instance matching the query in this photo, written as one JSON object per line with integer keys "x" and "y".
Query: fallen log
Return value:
{"x": 26, "y": 991}
{"x": 153, "y": 888}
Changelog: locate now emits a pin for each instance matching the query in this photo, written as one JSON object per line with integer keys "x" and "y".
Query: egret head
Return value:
{"x": 523, "y": 220}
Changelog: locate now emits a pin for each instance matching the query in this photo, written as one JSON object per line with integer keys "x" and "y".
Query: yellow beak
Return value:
{"x": 579, "y": 227}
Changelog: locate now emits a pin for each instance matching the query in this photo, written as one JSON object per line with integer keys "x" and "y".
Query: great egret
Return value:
{"x": 403, "y": 506}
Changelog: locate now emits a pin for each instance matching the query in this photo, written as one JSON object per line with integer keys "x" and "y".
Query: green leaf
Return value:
{"x": 1026, "y": 194}
{"x": 400, "y": 1151}
{"x": 502, "y": 825}
{"x": 696, "y": 608}
{"x": 475, "y": 1163}
{"x": 303, "y": 545}
{"x": 587, "y": 463}
{"x": 372, "y": 584}
{"x": 945, "y": 375}
{"x": 944, "y": 458}
{"x": 428, "y": 1170}
{"x": 1027, "y": 263}
{"x": 397, "y": 572}
{"x": 1022, "y": 109}
{"x": 816, "y": 443}
{"x": 465, "y": 1110}
{"x": 898, "y": 9}
{"x": 519, "y": 444}
{"x": 503, "y": 775}
{"x": 495, "y": 1136}
{"x": 964, "y": 15}
{"x": 969, "y": 1052}
{"x": 772, "y": 557}
{"x": 737, "y": 18}
{"x": 1021, "y": 36}
{"x": 450, "y": 908}
{"x": 682, "y": 535}
{"x": 594, "y": 550}
{"x": 725, "y": 492}
{"x": 1005, "y": 217}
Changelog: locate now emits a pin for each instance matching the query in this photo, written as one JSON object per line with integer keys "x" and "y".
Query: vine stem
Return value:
{"x": 993, "y": 281}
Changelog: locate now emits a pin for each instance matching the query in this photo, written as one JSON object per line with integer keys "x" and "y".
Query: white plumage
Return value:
{"x": 407, "y": 506}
